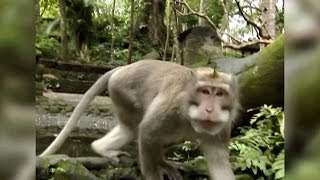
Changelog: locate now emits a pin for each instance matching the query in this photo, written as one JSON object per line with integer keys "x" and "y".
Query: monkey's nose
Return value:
{"x": 209, "y": 110}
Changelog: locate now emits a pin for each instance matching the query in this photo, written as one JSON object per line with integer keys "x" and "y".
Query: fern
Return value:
{"x": 259, "y": 147}
{"x": 278, "y": 166}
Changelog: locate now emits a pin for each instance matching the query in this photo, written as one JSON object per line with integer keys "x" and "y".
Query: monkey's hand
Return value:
{"x": 170, "y": 171}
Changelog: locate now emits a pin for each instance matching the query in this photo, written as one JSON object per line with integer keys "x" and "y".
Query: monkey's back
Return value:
{"x": 139, "y": 83}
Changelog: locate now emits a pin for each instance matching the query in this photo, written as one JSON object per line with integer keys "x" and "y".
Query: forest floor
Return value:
{"x": 54, "y": 109}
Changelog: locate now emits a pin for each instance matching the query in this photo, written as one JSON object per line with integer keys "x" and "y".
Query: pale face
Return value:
{"x": 210, "y": 111}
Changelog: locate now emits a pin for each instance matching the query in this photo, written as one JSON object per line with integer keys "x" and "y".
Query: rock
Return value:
{"x": 54, "y": 109}
{"x": 52, "y": 102}
{"x": 42, "y": 168}
{"x": 68, "y": 108}
{"x": 106, "y": 114}
{"x": 61, "y": 102}
{"x": 64, "y": 167}
{"x": 46, "y": 107}
{"x": 104, "y": 109}
{"x": 68, "y": 114}
{"x": 71, "y": 170}
{"x": 95, "y": 112}
{"x": 127, "y": 173}
{"x": 41, "y": 110}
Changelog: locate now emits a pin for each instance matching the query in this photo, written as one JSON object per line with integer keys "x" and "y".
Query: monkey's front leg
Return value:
{"x": 217, "y": 156}
{"x": 152, "y": 163}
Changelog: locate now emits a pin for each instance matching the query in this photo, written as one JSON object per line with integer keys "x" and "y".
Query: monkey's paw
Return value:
{"x": 112, "y": 155}
{"x": 170, "y": 171}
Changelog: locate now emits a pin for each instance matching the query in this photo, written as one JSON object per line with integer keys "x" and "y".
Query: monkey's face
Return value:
{"x": 210, "y": 109}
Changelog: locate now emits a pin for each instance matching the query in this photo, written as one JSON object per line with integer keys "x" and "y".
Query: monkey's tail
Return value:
{"x": 97, "y": 88}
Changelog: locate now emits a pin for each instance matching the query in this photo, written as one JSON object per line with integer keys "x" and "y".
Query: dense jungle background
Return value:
{"x": 79, "y": 40}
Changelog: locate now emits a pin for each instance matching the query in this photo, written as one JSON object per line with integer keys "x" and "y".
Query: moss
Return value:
{"x": 199, "y": 164}
{"x": 265, "y": 78}
{"x": 42, "y": 168}
{"x": 202, "y": 60}
{"x": 68, "y": 170}
{"x": 119, "y": 173}
{"x": 244, "y": 177}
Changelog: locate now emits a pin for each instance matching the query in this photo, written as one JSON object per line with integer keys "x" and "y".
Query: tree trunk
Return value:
{"x": 260, "y": 76}
{"x": 226, "y": 5}
{"x": 63, "y": 30}
{"x": 112, "y": 28}
{"x": 168, "y": 30}
{"x": 37, "y": 15}
{"x": 155, "y": 13}
{"x": 202, "y": 10}
{"x": 224, "y": 29}
{"x": 263, "y": 82}
{"x": 269, "y": 18}
{"x": 176, "y": 46}
{"x": 131, "y": 32}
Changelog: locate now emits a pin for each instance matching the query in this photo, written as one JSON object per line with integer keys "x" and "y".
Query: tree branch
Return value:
{"x": 233, "y": 38}
{"x": 236, "y": 46}
{"x": 192, "y": 12}
{"x": 252, "y": 7}
{"x": 260, "y": 32}
{"x": 244, "y": 44}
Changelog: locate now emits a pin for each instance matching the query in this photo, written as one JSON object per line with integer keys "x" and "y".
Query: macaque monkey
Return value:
{"x": 160, "y": 102}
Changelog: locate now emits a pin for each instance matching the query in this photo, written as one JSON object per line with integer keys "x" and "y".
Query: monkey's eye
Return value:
{"x": 219, "y": 93}
{"x": 205, "y": 91}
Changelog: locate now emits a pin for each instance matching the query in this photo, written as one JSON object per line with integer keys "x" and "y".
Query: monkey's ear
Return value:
{"x": 234, "y": 84}
{"x": 194, "y": 75}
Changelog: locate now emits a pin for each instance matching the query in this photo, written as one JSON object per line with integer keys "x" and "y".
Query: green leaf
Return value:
{"x": 280, "y": 174}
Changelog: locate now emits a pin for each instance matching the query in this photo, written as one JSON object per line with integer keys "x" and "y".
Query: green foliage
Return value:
{"x": 99, "y": 52}
{"x": 278, "y": 166}
{"x": 100, "y": 55}
{"x": 80, "y": 21}
{"x": 213, "y": 10}
{"x": 189, "y": 20}
{"x": 259, "y": 148}
{"x": 49, "y": 9}
{"x": 279, "y": 18}
{"x": 185, "y": 152}
{"x": 232, "y": 53}
{"x": 48, "y": 46}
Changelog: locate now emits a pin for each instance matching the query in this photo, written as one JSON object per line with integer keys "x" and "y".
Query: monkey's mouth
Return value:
{"x": 209, "y": 123}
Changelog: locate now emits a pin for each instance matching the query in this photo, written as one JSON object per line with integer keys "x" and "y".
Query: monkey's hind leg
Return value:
{"x": 109, "y": 145}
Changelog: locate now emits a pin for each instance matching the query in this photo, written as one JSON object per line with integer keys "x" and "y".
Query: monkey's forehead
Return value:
{"x": 211, "y": 74}
{"x": 222, "y": 85}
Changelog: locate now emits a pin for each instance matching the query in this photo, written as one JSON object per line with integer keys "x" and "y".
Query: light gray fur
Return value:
{"x": 152, "y": 99}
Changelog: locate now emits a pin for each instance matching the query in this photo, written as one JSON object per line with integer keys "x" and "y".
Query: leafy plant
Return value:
{"x": 185, "y": 152}
{"x": 48, "y": 46}
{"x": 259, "y": 148}
{"x": 278, "y": 166}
